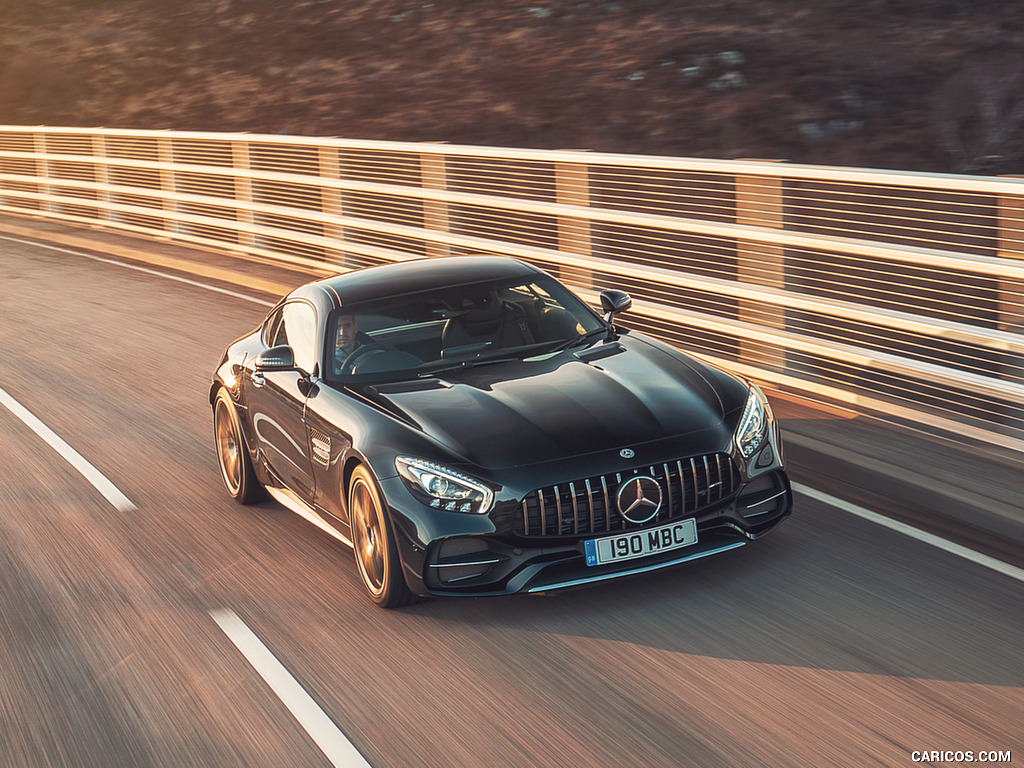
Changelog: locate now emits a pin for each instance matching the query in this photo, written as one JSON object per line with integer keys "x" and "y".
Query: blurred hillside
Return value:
{"x": 908, "y": 84}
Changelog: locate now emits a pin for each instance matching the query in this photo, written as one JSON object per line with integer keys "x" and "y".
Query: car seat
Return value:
{"x": 487, "y": 321}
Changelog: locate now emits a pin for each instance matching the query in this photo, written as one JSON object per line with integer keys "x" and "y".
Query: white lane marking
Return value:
{"x": 137, "y": 268}
{"x": 75, "y": 459}
{"x": 908, "y": 530}
{"x": 311, "y": 717}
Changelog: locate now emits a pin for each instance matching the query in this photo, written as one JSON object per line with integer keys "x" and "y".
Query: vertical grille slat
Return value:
{"x": 607, "y": 505}
{"x": 558, "y": 510}
{"x": 689, "y": 485}
{"x": 590, "y": 504}
{"x": 682, "y": 488}
{"x": 706, "y": 481}
{"x": 693, "y": 478}
{"x": 617, "y": 520}
{"x": 575, "y": 509}
{"x": 668, "y": 485}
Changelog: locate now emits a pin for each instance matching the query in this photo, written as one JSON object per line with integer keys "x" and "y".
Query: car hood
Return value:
{"x": 611, "y": 396}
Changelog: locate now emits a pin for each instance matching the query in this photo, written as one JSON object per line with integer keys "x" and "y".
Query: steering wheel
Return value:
{"x": 358, "y": 354}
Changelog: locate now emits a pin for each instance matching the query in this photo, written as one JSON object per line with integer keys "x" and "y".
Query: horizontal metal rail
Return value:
{"x": 854, "y": 246}
{"x": 993, "y": 339}
{"x": 899, "y": 292}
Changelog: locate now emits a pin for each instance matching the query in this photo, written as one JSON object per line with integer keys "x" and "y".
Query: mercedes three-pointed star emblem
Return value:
{"x": 639, "y": 499}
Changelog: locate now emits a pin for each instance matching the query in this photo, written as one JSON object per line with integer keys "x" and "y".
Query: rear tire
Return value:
{"x": 232, "y": 453}
{"x": 373, "y": 543}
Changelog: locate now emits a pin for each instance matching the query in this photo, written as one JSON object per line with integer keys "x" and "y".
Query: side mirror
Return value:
{"x": 613, "y": 302}
{"x": 280, "y": 358}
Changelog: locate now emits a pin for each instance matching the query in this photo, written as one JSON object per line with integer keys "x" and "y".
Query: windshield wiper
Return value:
{"x": 463, "y": 365}
{"x": 576, "y": 340}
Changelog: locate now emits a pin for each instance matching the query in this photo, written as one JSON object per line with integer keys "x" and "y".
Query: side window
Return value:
{"x": 299, "y": 332}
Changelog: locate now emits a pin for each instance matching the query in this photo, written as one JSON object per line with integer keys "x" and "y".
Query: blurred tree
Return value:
{"x": 980, "y": 116}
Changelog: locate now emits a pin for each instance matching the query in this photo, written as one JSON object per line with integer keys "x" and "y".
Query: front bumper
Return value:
{"x": 473, "y": 558}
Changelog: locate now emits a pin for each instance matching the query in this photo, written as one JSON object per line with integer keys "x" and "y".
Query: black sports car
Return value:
{"x": 470, "y": 427}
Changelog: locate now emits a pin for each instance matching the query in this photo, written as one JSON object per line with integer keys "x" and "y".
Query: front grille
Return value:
{"x": 587, "y": 506}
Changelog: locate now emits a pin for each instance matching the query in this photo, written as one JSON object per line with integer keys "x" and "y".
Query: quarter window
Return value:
{"x": 273, "y": 329}
{"x": 294, "y": 324}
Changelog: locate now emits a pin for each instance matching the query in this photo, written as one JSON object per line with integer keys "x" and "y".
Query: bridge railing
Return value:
{"x": 898, "y": 293}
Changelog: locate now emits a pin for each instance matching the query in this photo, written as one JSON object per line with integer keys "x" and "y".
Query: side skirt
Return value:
{"x": 290, "y": 501}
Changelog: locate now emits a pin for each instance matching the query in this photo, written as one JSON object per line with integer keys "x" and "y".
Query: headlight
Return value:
{"x": 443, "y": 488}
{"x": 754, "y": 422}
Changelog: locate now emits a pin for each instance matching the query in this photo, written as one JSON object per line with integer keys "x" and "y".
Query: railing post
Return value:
{"x": 1011, "y": 246}
{"x": 572, "y": 187}
{"x": 760, "y": 202}
{"x": 43, "y": 173}
{"x": 434, "y": 175}
{"x": 168, "y": 185}
{"x": 101, "y": 174}
{"x": 1011, "y": 291}
{"x": 332, "y": 204}
{"x": 241, "y": 161}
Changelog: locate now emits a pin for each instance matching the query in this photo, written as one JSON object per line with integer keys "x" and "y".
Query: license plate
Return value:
{"x": 626, "y": 546}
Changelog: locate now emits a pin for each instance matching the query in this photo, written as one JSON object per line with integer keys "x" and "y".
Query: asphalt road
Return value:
{"x": 833, "y": 642}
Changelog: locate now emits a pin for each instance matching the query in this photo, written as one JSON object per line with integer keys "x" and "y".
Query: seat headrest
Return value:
{"x": 484, "y": 314}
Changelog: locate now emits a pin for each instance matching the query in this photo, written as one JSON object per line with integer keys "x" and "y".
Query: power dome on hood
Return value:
{"x": 525, "y": 412}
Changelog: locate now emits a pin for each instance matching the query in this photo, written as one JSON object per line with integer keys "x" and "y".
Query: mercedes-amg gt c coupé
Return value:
{"x": 471, "y": 427}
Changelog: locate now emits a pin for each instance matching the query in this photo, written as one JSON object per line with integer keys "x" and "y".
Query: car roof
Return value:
{"x": 413, "y": 276}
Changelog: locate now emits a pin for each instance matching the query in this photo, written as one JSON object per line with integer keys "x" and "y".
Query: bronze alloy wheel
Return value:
{"x": 227, "y": 448}
{"x": 235, "y": 467}
{"x": 373, "y": 544}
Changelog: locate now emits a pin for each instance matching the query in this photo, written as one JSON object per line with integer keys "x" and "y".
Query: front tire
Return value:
{"x": 232, "y": 454}
{"x": 373, "y": 543}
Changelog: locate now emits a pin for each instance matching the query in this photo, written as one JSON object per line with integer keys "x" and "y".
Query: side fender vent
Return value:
{"x": 321, "y": 447}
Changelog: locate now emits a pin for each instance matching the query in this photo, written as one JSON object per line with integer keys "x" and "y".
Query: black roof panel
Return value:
{"x": 414, "y": 276}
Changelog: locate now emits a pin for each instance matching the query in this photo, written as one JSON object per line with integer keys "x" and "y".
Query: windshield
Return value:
{"x": 421, "y": 334}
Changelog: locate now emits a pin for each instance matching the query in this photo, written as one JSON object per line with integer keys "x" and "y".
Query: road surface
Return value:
{"x": 133, "y": 626}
